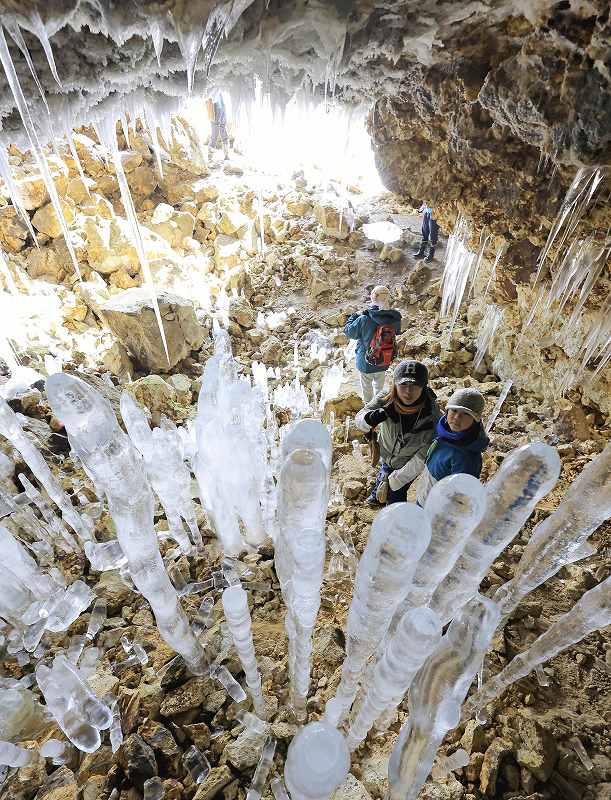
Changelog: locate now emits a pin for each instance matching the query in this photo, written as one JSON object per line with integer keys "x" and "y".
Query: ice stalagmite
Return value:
{"x": 562, "y": 537}
{"x": 78, "y": 712}
{"x": 237, "y": 614}
{"x": 231, "y": 461}
{"x": 436, "y": 695}
{"x": 115, "y": 466}
{"x": 454, "y": 506}
{"x": 416, "y": 637}
{"x": 317, "y": 762}
{"x": 303, "y": 495}
{"x": 10, "y": 428}
{"x": 526, "y": 475}
{"x": 399, "y": 535}
{"x": 165, "y": 469}
{"x": 593, "y": 611}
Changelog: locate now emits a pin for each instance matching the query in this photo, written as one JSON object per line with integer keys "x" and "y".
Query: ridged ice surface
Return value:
{"x": 399, "y": 535}
{"x": 115, "y": 466}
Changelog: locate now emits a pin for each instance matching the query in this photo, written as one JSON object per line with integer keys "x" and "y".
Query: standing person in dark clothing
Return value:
{"x": 217, "y": 115}
{"x": 375, "y": 330}
{"x": 430, "y": 232}
{"x": 404, "y": 421}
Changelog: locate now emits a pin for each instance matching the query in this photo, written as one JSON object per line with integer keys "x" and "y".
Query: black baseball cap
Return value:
{"x": 411, "y": 372}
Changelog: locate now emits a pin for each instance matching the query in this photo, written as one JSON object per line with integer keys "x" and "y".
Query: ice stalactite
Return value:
{"x": 237, "y": 614}
{"x": 39, "y": 155}
{"x": 15, "y": 32}
{"x": 39, "y": 29}
{"x": 317, "y": 762}
{"x": 11, "y": 429}
{"x": 14, "y": 194}
{"x": 76, "y": 709}
{"x": 561, "y": 538}
{"x": 437, "y": 694}
{"x": 488, "y": 327}
{"x": 505, "y": 389}
{"x": 262, "y": 770}
{"x": 113, "y": 463}
{"x": 106, "y": 129}
{"x": 399, "y": 536}
{"x": 526, "y": 475}
{"x": 454, "y": 506}
{"x": 13, "y": 756}
{"x": 166, "y": 470}
{"x": 303, "y": 495}
{"x": 232, "y": 456}
{"x": 500, "y": 252}
{"x": 416, "y": 636}
{"x": 457, "y": 269}
{"x": 591, "y": 612}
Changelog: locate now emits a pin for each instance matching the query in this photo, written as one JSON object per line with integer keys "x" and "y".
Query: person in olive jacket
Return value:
{"x": 404, "y": 421}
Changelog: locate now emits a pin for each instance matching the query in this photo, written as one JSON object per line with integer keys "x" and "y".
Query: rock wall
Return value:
{"x": 496, "y": 132}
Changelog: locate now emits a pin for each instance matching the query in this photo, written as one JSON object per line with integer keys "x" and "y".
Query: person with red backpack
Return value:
{"x": 375, "y": 330}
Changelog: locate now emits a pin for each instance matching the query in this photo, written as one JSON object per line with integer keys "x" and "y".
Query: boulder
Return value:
{"x": 244, "y": 751}
{"x": 79, "y": 190}
{"x": 131, "y": 317}
{"x": 536, "y": 749}
{"x": 226, "y": 252}
{"x": 233, "y": 223}
{"x": 215, "y": 780}
{"x": 109, "y": 245}
{"x": 46, "y": 221}
{"x": 60, "y": 785}
{"x": 42, "y": 262}
{"x": 242, "y": 312}
{"x": 13, "y": 230}
{"x": 116, "y": 360}
{"x": 493, "y": 757}
{"x": 137, "y": 759}
{"x": 271, "y": 350}
{"x": 174, "y": 226}
{"x": 154, "y": 393}
{"x": 335, "y": 223}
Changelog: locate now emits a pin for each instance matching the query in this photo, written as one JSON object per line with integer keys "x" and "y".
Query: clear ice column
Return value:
{"x": 526, "y": 475}
{"x": 10, "y": 428}
{"x": 454, "y": 506}
{"x": 593, "y": 611}
{"x": 399, "y": 535}
{"x": 108, "y": 455}
{"x": 417, "y": 635}
{"x": 303, "y": 491}
{"x": 317, "y": 762}
{"x": 237, "y": 614}
{"x": 436, "y": 695}
{"x": 561, "y": 538}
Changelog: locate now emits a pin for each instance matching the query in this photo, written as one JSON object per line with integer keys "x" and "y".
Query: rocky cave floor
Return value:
{"x": 324, "y": 272}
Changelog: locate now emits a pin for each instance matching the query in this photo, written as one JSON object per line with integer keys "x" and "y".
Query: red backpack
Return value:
{"x": 382, "y": 347}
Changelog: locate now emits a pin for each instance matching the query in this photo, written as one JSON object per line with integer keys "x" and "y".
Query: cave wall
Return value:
{"x": 496, "y": 132}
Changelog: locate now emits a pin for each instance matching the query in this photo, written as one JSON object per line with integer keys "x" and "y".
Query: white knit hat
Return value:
{"x": 468, "y": 400}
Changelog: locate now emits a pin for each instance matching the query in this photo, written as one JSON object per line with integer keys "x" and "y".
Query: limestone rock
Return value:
{"x": 491, "y": 763}
{"x": 271, "y": 350}
{"x": 80, "y": 191}
{"x": 215, "y": 780}
{"x": 189, "y": 695}
{"x": 452, "y": 789}
{"x": 182, "y": 386}
{"x": 159, "y": 738}
{"x": 174, "y": 226}
{"x": 570, "y": 422}
{"x": 46, "y": 221}
{"x": 242, "y": 312}
{"x": 233, "y": 223}
{"x": 42, "y": 262}
{"x": 335, "y": 223}
{"x": 244, "y": 751}
{"x": 32, "y": 189}
{"x": 131, "y": 317}
{"x": 109, "y": 245}
{"x": 351, "y": 789}
{"x": 60, "y": 785}
{"x": 297, "y": 205}
{"x": 137, "y": 759}
{"x": 537, "y": 748}
{"x": 199, "y": 733}
{"x": 226, "y": 252}
{"x": 13, "y": 230}
{"x": 142, "y": 182}
{"x": 154, "y": 393}
{"x": 319, "y": 283}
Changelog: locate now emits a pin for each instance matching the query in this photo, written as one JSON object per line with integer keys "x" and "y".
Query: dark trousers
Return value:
{"x": 430, "y": 229}
{"x": 400, "y": 496}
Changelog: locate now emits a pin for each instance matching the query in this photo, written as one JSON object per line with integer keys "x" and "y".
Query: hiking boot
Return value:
{"x": 421, "y": 251}
{"x": 430, "y": 255}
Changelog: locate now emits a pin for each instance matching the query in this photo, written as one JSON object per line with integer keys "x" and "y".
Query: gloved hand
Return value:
{"x": 382, "y": 491}
{"x": 375, "y": 417}
{"x": 396, "y": 480}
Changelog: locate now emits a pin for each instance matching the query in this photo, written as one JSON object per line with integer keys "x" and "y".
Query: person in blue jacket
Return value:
{"x": 373, "y": 358}
{"x": 430, "y": 232}
{"x": 459, "y": 442}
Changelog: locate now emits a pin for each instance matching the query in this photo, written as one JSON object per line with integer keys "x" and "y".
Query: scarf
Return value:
{"x": 460, "y": 438}
{"x": 401, "y": 408}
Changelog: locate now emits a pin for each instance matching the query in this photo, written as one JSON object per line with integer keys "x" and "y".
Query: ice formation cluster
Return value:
{"x": 420, "y": 570}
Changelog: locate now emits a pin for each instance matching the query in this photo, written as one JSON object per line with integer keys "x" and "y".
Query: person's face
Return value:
{"x": 409, "y": 393}
{"x": 459, "y": 421}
